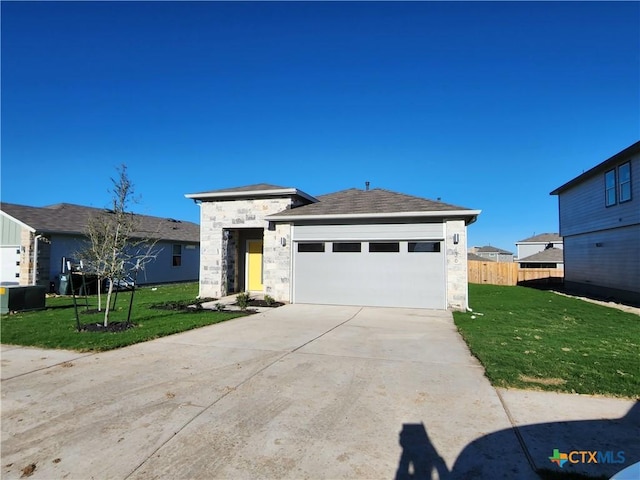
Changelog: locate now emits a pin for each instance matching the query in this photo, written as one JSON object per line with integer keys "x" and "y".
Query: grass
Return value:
{"x": 528, "y": 338}
{"x": 55, "y": 327}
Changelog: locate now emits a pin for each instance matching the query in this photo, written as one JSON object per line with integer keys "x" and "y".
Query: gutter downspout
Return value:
{"x": 35, "y": 258}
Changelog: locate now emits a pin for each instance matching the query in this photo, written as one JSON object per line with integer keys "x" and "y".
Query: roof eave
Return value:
{"x": 251, "y": 193}
{"x": 14, "y": 219}
{"x": 601, "y": 167}
{"x": 469, "y": 215}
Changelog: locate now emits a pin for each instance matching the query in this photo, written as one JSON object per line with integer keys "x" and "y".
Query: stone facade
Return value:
{"x": 456, "y": 258}
{"x": 227, "y": 225}
{"x": 277, "y": 262}
{"x": 221, "y": 222}
{"x": 26, "y": 257}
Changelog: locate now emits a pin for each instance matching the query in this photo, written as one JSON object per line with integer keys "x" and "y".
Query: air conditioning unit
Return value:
{"x": 17, "y": 298}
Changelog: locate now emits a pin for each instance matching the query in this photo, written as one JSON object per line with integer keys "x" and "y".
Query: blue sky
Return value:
{"x": 486, "y": 105}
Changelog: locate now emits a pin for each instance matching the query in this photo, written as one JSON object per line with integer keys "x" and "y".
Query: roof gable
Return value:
{"x": 67, "y": 218}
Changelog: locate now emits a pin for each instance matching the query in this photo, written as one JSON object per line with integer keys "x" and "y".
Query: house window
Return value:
{"x": 538, "y": 265}
{"x": 347, "y": 247}
{"x": 624, "y": 182}
{"x": 391, "y": 247}
{"x": 415, "y": 247}
{"x": 610, "y": 188}
{"x": 317, "y": 247}
{"x": 177, "y": 255}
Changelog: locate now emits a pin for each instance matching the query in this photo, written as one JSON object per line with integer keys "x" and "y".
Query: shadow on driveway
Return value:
{"x": 585, "y": 449}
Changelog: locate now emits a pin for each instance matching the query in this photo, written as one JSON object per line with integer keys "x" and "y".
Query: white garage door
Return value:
{"x": 10, "y": 265}
{"x": 376, "y": 265}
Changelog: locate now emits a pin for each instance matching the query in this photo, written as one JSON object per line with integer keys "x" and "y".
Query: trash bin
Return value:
{"x": 64, "y": 287}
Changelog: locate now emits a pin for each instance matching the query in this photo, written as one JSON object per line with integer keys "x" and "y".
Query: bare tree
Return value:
{"x": 115, "y": 246}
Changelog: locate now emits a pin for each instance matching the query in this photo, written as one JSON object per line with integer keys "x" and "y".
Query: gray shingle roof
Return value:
{"x": 374, "y": 201}
{"x": 543, "y": 238}
{"x": 258, "y": 190}
{"x": 247, "y": 188}
{"x": 490, "y": 249}
{"x": 550, "y": 255}
{"x": 72, "y": 219}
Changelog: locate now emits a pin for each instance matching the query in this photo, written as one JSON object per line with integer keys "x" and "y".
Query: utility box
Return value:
{"x": 64, "y": 287}
{"x": 22, "y": 298}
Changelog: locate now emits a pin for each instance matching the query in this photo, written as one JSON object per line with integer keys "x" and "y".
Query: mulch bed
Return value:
{"x": 262, "y": 303}
{"x": 111, "y": 328}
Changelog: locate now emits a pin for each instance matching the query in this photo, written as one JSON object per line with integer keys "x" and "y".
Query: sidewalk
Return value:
{"x": 546, "y": 421}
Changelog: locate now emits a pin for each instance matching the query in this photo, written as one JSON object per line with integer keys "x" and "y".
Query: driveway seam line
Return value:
{"x": 330, "y": 330}
{"x": 204, "y": 409}
{"x": 471, "y": 365}
{"x": 49, "y": 366}
{"x": 517, "y": 432}
{"x": 224, "y": 395}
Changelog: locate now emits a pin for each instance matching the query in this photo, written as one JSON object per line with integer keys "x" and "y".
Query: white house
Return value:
{"x": 600, "y": 225}
{"x": 353, "y": 247}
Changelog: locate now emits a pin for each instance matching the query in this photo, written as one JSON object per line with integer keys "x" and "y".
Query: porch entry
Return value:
{"x": 254, "y": 265}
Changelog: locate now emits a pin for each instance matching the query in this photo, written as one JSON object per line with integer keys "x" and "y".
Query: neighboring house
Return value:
{"x": 541, "y": 251}
{"x": 477, "y": 258}
{"x": 493, "y": 253}
{"x": 36, "y": 242}
{"x": 353, "y": 247}
{"x": 549, "y": 258}
{"x": 600, "y": 225}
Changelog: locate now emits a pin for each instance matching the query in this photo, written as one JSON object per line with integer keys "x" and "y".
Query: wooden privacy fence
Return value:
{"x": 510, "y": 273}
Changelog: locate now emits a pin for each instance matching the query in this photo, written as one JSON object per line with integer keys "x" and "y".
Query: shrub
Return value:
{"x": 269, "y": 300}
{"x": 243, "y": 300}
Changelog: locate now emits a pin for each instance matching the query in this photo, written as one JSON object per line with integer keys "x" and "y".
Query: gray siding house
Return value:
{"x": 353, "y": 247}
{"x": 541, "y": 251}
{"x": 600, "y": 223}
{"x": 37, "y": 242}
{"x": 494, "y": 254}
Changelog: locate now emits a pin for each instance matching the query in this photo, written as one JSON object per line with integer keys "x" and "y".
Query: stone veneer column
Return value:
{"x": 215, "y": 217}
{"x": 26, "y": 257}
{"x": 277, "y": 262}
{"x": 456, "y": 259}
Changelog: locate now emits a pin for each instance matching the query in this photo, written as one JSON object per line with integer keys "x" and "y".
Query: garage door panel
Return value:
{"x": 367, "y": 232}
{"x": 399, "y": 279}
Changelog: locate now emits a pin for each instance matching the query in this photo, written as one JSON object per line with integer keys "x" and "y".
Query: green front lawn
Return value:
{"x": 55, "y": 327}
{"x": 528, "y": 338}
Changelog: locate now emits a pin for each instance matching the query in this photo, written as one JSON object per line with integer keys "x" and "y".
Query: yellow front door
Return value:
{"x": 254, "y": 265}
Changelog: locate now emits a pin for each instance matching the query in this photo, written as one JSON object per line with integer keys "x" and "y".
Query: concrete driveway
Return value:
{"x": 301, "y": 391}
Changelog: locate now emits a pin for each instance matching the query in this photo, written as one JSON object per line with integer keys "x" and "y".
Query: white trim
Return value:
{"x": 251, "y": 193}
{"x": 31, "y": 229}
{"x": 445, "y": 260}
{"x": 332, "y": 216}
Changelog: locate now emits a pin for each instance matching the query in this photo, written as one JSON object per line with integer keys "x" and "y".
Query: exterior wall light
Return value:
{"x": 456, "y": 238}
{"x": 283, "y": 241}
